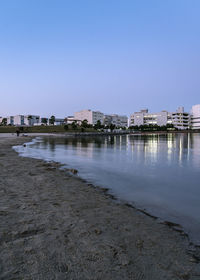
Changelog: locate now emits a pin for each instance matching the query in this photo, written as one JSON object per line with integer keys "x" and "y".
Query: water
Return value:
{"x": 159, "y": 173}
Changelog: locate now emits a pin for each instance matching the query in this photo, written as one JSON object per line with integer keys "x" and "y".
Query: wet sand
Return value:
{"x": 54, "y": 225}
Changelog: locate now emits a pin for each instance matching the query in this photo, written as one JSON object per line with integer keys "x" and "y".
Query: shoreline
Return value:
{"x": 106, "y": 191}
{"x": 95, "y": 237}
{"x": 100, "y": 133}
{"x": 175, "y": 225}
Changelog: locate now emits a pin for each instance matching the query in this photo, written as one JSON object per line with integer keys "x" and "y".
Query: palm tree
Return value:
{"x": 112, "y": 126}
{"x": 52, "y": 120}
{"x": 29, "y": 119}
{"x": 74, "y": 124}
{"x": 4, "y": 121}
{"x": 44, "y": 121}
{"x": 84, "y": 123}
{"x": 98, "y": 125}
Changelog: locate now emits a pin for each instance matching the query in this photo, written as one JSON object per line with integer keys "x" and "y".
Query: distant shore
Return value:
{"x": 82, "y": 132}
{"x": 95, "y": 133}
{"x": 56, "y": 226}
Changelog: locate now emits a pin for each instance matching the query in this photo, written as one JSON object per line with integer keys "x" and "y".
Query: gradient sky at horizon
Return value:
{"x": 116, "y": 56}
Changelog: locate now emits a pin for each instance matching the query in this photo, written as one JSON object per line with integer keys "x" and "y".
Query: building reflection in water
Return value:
{"x": 180, "y": 147}
{"x": 149, "y": 148}
{"x": 160, "y": 172}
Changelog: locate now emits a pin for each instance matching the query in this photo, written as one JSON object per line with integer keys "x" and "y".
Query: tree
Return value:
{"x": 4, "y": 121}
{"x": 112, "y": 127}
{"x": 66, "y": 127}
{"x": 52, "y": 120}
{"x": 84, "y": 123}
{"x": 44, "y": 121}
{"x": 170, "y": 126}
{"x": 74, "y": 124}
{"x": 98, "y": 125}
{"x": 29, "y": 119}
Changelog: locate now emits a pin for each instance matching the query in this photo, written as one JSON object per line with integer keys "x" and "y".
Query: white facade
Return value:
{"x": 145, "y": 118}
{"x": 195, "y": 117}
{"x": 10, "y": 120}
{"x": 71, "y": 119}
{"x": 19, "y": 120}
{"x": 117, "y": 120}
{"x": 31, "y": 120}
{"x": 181, "y": 119}
{"x": 59, "y": 121}
{"x": 91, "y": 116}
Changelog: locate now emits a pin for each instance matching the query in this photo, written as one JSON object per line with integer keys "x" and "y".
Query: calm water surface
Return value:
{"x": 159, "y": 173}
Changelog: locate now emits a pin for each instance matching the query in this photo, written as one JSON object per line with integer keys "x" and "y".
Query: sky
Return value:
{"x": 116, "y": 56}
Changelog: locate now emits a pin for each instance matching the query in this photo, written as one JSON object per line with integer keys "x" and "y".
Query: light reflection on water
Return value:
{"x": 157, "y": 172}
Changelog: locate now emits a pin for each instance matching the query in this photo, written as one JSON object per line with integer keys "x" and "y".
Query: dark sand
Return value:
{"x": 56, "y": 226}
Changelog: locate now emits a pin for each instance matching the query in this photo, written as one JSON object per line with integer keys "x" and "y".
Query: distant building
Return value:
{"x": 71, "y": 119}
{"x": 31, "y": 120}
{"x": 91, "y": 116}
{"x": 181, "y": 119}
{"x": 59, "y": 121}
{"x": 17, "y": 120}
{"x": 145, "y": 118}
{"x": 117, "y": 120}
{"x": 21, "y": 120}
{"x": 10, "y": 120}
{"x": 195, "y": 117}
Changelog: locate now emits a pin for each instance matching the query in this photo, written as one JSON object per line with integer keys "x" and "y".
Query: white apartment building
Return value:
{"x": 195, "y": 117}
{"x": 10, "y": 120}
{"x": 117, "y": 120}
{"x": 71, "y": 119}
{"x": 91, "y": 116}
{"x": 31, "y": 120}
{"x": 145, "y": 118}
{"x": 181, "y": 119}
{"x": 19, "y": 120}
{"x": 16, "y": 120}
{"x": 59, "y": 121}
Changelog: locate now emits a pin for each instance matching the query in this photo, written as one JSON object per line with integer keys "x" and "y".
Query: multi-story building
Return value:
{"x": 195, "y": 117}
{"x": 91, "y": 116}
{"x": 145, "y": 118}
{"x": 19, "y": 120}
{"x": 181, "y": 119}
{"x": 59, "y": 121}
{"x": 31, "y": 120}
{"x": 117, "y": 120}
{"x": 10, "y": 120}
{"x": 72, "y": 119}
{"x": 107, "y": 120}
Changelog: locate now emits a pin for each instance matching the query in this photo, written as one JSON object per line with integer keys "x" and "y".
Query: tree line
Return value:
{"x": 99, "y": 126}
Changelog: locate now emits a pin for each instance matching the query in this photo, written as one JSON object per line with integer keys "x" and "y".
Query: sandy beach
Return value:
{"x": 54, "y": 225}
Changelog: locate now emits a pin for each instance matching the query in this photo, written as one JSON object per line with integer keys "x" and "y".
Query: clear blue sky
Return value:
{"x": 117, "y": 56}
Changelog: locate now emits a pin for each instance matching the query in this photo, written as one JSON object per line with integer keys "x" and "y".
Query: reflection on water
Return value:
{"x": 157, "y": 172}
